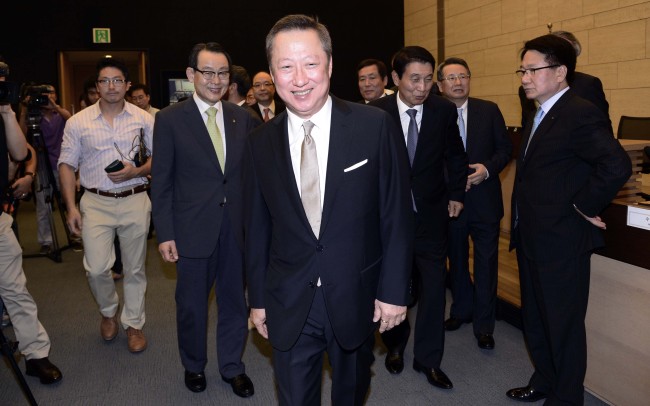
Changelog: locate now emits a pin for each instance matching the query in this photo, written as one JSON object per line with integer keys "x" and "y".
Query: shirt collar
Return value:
{"x": 203, "y": 106}
{"x": 402, "y": 107}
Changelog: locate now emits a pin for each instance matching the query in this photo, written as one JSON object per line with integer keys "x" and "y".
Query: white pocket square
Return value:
{"x": 355, "y": 166}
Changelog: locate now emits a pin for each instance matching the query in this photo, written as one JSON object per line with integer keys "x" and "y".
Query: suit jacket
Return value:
{"x": 188, "y": 186}
{"x": 364, "y": 249}
{"x": 439, "y": 171}
{"x": 279, "y": 108}
{"x": 586, "y": 86}
{"x": 572, "y": 159}
{"x": 488, "y": 144}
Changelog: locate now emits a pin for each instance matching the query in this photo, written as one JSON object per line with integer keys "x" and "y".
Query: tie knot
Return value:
{"x": 539, "y": 113}
{"x": 211, "y": 111}
{"x": 412, "y": 113}
{"x": 307, "y": 126}
{"x": 460, "y": 111}
{"x": 266, "y": 110}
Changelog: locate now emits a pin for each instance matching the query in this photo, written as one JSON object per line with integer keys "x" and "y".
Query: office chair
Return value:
{"x": 636, "y": 128}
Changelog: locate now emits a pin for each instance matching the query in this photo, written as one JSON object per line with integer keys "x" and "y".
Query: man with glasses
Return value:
{"x": 102, "y": 143}
{"x": 569, "y": 168}
{"x": 197, "y": 204}
{"x": 264, "y": 91}
{"x": 488, "y": 148}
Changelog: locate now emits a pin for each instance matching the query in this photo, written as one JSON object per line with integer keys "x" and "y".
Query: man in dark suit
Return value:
{"x": 586, "y": 86}
{"x": 569, "y": 168}
{"x": 267, "y": 105}
{"x": 438, "y": 179}
{"x": 488, "y": 147}
{"x": 240, "y": 84}
{"x": 197, "y": 210}
{"x": 373, "y": 79}
{"x": 328, "y": 224}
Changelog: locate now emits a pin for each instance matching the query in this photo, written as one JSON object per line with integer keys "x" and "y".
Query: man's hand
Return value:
{"x": 597, "y": 221}
{"x": 258, "y": 317}
{"x": 73, "y": 219}
{"x": 22, "y": 187}
{"x": 388, "y": 315}
{"x": 127, "y": 173}
{"x": 168, "y": 251}
{"x": 454, "y": 208}
{"x": 477, "y": 177}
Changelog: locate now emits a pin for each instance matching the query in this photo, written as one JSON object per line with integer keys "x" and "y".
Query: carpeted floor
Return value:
{"x": 100, "y": 373}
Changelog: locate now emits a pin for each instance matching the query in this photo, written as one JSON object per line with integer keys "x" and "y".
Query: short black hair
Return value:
{"x": 140, "y": 86}
{"x": 381, "y": 67}
{"x": 241, "y": 78}
{"x": 113, "y": 63}
{"x": 299, "y": 22}
{"x": 210, "y": 47}
{"x": 410, "y": 54}
{"x": 452, "y": 61}
{"x": 556, "y": 51}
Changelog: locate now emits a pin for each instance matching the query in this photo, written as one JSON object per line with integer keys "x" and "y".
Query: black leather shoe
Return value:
{"x": 435, "y": 376}
{"x": 525, "y": 394}
{"x": 195, "y": 381}
{"x": 394, "y": 363}
{"x": 241, "y": 385}
{"x": 453, "y": 324}
{"x": 46, "y": 371}
{"x": 485, "y": 341}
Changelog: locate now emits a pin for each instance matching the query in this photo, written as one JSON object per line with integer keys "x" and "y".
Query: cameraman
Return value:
{"x": 52, "y": 122}
{"x": 33, "y": 340}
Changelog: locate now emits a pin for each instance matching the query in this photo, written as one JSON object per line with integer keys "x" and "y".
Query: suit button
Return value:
{"x": 311, "y": 284}
{"x": 320, "y": 248}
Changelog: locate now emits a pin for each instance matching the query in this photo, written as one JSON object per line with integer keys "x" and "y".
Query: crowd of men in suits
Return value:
{"x": 333, "y": 215}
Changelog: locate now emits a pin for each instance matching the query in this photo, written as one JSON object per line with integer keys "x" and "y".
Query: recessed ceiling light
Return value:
{"x": 108, "y": 56}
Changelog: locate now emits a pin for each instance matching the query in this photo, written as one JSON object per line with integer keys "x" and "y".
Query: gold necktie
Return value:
{"x": 309, "y": 179}
{"x": 215, "y": 136}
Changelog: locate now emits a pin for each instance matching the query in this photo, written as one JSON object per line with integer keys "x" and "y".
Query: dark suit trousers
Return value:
{"x": 195, "y": 278}
{"x": 429, "y": 339}
{"x": 477, "y": 302}
{"x": 554, "y": 297}
{"x": 298, "y": 371}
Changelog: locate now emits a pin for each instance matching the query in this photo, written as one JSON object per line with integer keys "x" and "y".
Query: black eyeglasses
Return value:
{"x": 209, "y": 75}
{"x": 531, "y": 71}
{"x": 115, "y": 82}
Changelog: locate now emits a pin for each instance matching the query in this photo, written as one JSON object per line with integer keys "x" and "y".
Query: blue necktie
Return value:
{"x": 412, "y": 135}
{"x": 461, "y": 127}
{"x": 538, "y": 118}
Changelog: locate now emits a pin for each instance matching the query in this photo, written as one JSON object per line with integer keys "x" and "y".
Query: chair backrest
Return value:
{"x": 634, "y": 128}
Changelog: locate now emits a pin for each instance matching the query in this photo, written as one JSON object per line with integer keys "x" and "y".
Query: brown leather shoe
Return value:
{"x": 136, "y": 340}
{"x": 109, "y": 327}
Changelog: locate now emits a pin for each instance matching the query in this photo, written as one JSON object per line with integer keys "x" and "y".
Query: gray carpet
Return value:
{"x": 100, "y": 373}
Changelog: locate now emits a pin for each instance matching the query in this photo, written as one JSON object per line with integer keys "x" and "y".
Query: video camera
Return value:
{"x": 38, "y": 95}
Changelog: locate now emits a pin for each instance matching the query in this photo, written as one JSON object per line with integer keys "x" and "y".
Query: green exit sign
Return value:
{"x": 102, "y": 35}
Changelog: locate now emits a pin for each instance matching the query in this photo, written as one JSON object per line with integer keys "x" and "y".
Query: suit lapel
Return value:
{"x": 472, "y": 124}
{"x": 199, "y": 132}
{"x": 233, "y": 148}
{"x": 280, "y": 149}
{"x": 545, "y": 125}
{"x": 337, "y": 158}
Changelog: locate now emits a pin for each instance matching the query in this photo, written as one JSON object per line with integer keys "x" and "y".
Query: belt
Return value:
{"x": 117, "y": 195}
